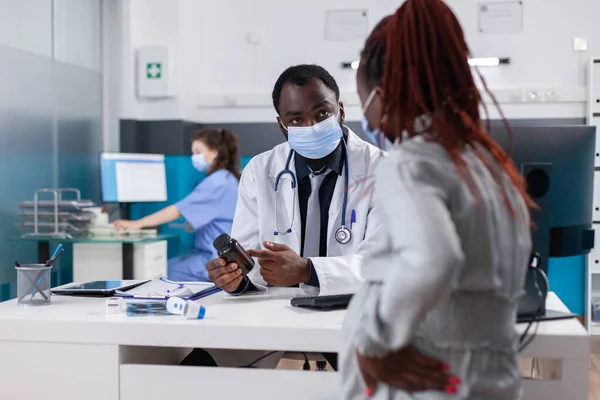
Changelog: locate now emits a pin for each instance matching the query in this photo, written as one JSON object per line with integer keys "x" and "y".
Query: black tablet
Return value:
{"x": 96, "y": 288}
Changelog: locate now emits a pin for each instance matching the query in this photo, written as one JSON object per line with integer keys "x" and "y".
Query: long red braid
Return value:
{"x": 419, "y": 57}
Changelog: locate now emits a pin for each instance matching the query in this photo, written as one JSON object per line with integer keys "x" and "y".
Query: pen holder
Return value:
{"x": 33, "y": 284}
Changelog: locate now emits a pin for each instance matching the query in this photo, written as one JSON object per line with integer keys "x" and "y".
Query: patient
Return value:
{"x": 436, "y": 314}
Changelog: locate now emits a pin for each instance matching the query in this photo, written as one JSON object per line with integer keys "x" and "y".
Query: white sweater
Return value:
{"x": 447, "y": 275}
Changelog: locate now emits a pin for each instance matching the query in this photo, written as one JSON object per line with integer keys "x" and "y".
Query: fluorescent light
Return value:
{"x": 350, "y": 64}
{"x": 488, "y": 61}
{"x": 474, "y": 62}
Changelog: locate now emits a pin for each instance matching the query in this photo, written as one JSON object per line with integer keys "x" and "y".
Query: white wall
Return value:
{"x": 215, "y": 66}
{"x": 27, "y": 25}
{"x": 77, "y": 33}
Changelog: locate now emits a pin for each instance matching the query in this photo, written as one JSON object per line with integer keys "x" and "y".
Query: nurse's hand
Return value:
{"x": 407, "y": 369}
{"x": 126, "y": 225}
{"x": 280, "y": 265}
{"x": 225, "y": 276}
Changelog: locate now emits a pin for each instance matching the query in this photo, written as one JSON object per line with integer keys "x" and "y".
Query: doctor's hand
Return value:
{"x": 225, "y": 276}
{"x": 280, "y": 265}
{"x": 126, "y": 225}
{"x": 407, "y": 369}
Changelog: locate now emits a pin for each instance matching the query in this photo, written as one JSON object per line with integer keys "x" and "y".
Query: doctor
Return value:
{"x": 305, "y": 208}
{"x": 208, "y": 209}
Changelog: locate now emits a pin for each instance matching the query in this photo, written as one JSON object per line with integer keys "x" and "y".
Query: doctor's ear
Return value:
{"x": 281, "y": 128}
{"x": 342, "y": 113}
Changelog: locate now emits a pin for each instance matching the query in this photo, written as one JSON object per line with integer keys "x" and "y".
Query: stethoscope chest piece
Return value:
{"x": 343, "y": 235}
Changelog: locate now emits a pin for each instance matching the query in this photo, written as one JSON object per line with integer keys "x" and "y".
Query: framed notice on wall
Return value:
{"x": 501, "y": 17}
{"x": 346, "y": 25}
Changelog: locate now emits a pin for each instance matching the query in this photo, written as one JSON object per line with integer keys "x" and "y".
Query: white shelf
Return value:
{"x": 593, "y": 265}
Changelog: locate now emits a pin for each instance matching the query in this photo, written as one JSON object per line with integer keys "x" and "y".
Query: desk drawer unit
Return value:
{"x": 100, "y": 261}
{"x": 160, "y": 382}
{"x": 150, "y": 260}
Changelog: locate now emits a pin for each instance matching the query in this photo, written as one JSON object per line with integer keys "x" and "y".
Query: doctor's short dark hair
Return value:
{"x": 226, "y": 144}
{"x": 300, "y": 75}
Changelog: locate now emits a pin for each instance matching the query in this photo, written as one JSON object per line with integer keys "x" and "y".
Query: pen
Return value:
{"x": 352, "y": 218}
{"x": 59, "y": 250}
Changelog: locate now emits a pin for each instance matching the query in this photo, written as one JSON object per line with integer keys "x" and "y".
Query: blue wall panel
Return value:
{"x": 567, "y": 276}
{"x": 182, "y": 178}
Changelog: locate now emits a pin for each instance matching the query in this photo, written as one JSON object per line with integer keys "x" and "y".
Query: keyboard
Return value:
{"x": 325, "y": 303}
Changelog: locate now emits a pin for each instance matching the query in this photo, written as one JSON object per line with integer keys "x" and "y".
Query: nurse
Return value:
{"x": 208, "y": 209}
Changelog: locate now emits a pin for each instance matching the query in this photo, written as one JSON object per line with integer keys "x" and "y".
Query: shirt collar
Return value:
{"x": 335, "y": 162}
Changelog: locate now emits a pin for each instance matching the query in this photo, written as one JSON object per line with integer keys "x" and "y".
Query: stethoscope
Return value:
{"x": 343, "y": 234}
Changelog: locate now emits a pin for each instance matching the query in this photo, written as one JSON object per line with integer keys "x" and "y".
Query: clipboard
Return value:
{"x": 163, "y": 289}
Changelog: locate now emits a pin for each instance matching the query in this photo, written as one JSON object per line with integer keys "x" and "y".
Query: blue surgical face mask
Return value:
{"x": 199, "y": 162}
{"x": 317, "y": 141}
{"x": 375, "y": 135}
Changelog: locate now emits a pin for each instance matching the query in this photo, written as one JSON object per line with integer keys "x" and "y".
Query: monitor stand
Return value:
{"x": 124, "y": 211}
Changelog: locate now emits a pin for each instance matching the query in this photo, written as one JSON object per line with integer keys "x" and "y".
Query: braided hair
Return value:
{"x": 226, "y": 144}
{"x": 419, "y": 58}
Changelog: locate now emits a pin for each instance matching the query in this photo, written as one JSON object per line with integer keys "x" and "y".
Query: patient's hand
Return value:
{"x": 407, "y": 369}
{"x": 225, "y": 276}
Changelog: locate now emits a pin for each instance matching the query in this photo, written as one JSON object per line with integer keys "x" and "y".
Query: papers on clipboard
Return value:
{"x": 162, "y": 288}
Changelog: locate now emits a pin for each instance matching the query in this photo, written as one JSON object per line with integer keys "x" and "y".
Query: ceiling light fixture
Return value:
{"x": 488, "y": 61}
{"x": 474, "y": 62}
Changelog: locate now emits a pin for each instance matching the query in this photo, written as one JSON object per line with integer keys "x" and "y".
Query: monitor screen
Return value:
{"x": 133, "y": 178}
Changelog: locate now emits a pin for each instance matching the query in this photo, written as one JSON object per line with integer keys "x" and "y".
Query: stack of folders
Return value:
{"x": 163, "y": 289}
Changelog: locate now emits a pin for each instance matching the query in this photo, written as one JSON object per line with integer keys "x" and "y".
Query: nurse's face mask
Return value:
{"x": 316, "y": 141}
{"x": 199, "y": 162}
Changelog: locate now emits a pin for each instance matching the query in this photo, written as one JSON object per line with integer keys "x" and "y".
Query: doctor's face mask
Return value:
{"x": 310, "y": 113}
{"x": 316, "y": 141}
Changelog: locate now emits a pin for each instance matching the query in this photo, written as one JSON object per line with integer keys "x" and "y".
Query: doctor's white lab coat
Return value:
{"x": 254, "y": 221}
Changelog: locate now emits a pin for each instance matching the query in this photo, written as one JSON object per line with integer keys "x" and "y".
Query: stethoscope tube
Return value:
{"x": 343, "y": 234}
{"x": 285, "y": 171}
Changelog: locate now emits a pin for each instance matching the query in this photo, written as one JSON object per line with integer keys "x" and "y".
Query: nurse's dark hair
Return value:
{"x": 226, "y": 144}
{"x": 419, "y": 58}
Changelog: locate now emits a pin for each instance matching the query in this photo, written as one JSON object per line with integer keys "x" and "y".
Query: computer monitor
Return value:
{"x": 133, "y": 178}
{"x": 557, "y": 163}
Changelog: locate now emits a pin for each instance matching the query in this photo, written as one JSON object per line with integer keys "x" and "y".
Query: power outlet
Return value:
{"x": 229, "y": 101}
{"x": 516, "y": 96}
{"x": 552, "y": 97}
{"x": 533, "y": 96}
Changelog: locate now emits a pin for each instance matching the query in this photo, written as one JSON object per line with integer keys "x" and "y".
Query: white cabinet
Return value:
{"x": 593, "y": 284}
{"x": 160, "y": 382}
{"x": 104, "y": 261}
{"x": 596, "y": 205}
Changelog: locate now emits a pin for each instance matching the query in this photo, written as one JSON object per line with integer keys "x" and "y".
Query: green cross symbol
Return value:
{"x": 153, "y": 70}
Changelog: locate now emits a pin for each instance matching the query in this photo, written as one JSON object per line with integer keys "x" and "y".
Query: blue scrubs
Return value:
{"x": 209, "y": 210}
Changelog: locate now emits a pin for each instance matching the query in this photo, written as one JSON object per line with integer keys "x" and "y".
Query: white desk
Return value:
{"x": 73, "y": 350}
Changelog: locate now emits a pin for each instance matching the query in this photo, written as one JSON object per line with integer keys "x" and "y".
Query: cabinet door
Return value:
{"x": 596, "y": 211}
{"x": 594, "y": 256}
